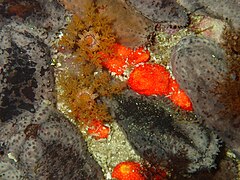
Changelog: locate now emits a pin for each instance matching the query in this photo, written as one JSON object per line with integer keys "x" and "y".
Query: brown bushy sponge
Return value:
{"x": 83, "y": 81}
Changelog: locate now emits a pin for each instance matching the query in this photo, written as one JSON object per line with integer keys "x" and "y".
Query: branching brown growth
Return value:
{"x": 82, "y": 93}
{"x": 82, "y": 81}
{"x": 87, "y": 35}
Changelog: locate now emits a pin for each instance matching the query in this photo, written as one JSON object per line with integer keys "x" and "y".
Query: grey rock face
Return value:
{"x": 157, "y": 136}
{"x": 223, "y": 9}
{"x": 161, "y": 11}
{"x": 26, "y": 75}
{"x": 36, "y": 140}
{"x": 44, "y": 145}
{"x": 199, "y": 66}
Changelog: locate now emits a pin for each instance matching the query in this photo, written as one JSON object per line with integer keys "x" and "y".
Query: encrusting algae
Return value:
{"x": 82, "y": 79}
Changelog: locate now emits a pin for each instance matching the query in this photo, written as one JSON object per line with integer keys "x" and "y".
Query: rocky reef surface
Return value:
{"x": 44, "y": 145}
{"x": 26, "y": 75}
{"x": 36, "y": 140}
{"x": 223, "y": 9}
{"x": 161, "y": 11}
{"x": 159, "y": 136}
{"x": 200, "y": 66}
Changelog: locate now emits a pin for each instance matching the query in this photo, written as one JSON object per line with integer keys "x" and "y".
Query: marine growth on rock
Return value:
{"x": 200, "y": 66}
{"x": 159, "y": 137}
{"x": 222, "y": 9}
{"x": 36, "y": 140}
{"x": 160, "y": 11}
{"x": 44, "y": 145}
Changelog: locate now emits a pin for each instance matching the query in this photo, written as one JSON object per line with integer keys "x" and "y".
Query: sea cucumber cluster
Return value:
{"x": 157, "y": 136}
{"x": 200, "y": 66}
{"x": 161, "y": 11}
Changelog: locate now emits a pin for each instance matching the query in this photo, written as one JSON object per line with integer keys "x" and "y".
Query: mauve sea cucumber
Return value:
{"x": 44, "y": 145}
{"x": 199, "y": 66}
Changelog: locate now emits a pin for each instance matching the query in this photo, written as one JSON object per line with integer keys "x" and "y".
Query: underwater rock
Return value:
{"x": 160, "y": 137}
{"x": 26, "y": 75}
{"x": 36, "y": 140}
{"x": 47, "y": 14}
{"x": 223, "y": 9}
{"x": 50, "y": 15}
{"x": 76, "y": 6}
{"x": 131, "y": 28}
{"x": 161, "y": 11}
{"x": 227, "y": 169}
{"x": 44, "y": 145}
{"x": 200, "y": 66}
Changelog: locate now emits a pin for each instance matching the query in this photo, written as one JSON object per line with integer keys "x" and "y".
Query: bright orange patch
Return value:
{"x": 123, "y": 57}
{"x": 138, "y": 56}
{"x": 178, "y": 96}
{"x": 128, "y": 171}
{"x": 149, "y": 79}
{"x": 98, "y": 130}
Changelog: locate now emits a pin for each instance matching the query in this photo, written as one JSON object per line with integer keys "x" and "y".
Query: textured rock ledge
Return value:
{"x": 200, "y": 66}
{"x": 44, "y": 145}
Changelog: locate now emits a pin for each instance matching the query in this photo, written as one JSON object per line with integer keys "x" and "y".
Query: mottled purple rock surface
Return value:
{"x": 44, "y": 145}
{"x": 36, "y": 140}
{"x": 199, "y": 65}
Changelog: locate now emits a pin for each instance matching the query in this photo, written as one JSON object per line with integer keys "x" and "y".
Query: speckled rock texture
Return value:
{"x": 44, "y": 145}
{"x": 161, "y": 11}
{"x": 36, "y": 140}
{"x": 26, "y": 75}
{"x": 44, "y": 14}
{"x": 223, "y": 9}
{"x": 160, "y": 137}
{"x": 199, "y": 65}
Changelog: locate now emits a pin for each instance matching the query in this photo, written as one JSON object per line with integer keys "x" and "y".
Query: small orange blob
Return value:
{"x": 149, "y": 79}
{"x": 178, "y": 96}
{"x": 121, "y": 51}
{"x": 90, "y": 39}
{"x": 123, "y": 57}
{"x": 98, "y": 130}
{"x": 139, "y": 55}
{"x": 115, "y": 64}
{"x": 128, "y": 171}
